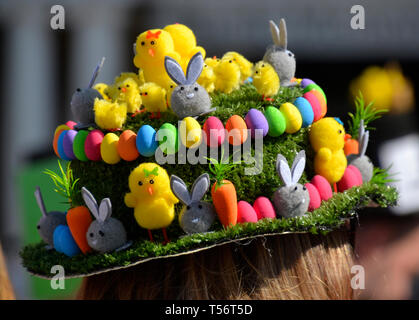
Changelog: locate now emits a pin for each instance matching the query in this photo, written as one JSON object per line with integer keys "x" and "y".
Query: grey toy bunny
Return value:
{"x": 278, "y": 56}
{"x": 197, "y": 216}
{"x": 291, "y": 200}
{"x": 49, "y": 220}
{"x": 360, "y": 160}
{"x": 83, "y": 99}
{"x": 188, "y": 99}
{"x": 105, "y": 234}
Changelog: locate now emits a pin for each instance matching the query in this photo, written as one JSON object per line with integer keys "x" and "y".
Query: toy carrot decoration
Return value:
{"x": 223, "y": 192}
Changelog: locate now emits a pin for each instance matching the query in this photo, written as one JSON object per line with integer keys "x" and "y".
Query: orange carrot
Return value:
{"x": 224, "y": 198}
{"x": 79, "y": 220}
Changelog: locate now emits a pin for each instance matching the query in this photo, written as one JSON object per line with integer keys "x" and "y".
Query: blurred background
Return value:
{"x": 41, "y": 67}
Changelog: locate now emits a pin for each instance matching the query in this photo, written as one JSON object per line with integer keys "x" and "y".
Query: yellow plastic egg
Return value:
{"x": 109, "y": 149}
{"x": 293, "y": 118}
{"x": 190, "y": 132}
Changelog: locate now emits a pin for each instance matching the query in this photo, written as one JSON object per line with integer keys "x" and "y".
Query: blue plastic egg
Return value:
{"x": 64, "y": 242}
{"x": 60, "y": 146}
{"x": 305, "y": 109}
{"x": 146, "y": 141}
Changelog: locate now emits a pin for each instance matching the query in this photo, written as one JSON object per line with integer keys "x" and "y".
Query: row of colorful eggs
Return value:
{"x": 83, "y": 145}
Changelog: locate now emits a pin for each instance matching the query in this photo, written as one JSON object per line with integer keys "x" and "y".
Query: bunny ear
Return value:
{"x": 364, "y": 143}
{"x": 283, "y": 170}
{"x": 174, "y": 70}
{"x": 40, "y": 201}
{"x": 180, "y": 190}
{"x": 134, "y": 48}
{"x": 194, "y": 69}
{"x": 361, "y": 130}
{"x": 96, "y": 72}
{"x": 105, "y": 210}
{"x": 200, "y": 187}
{"x": 90, "y": 201}
{"x": 283, "y": 34}
{"x": 275, "y": 33}
{"x": 298, "y": 166}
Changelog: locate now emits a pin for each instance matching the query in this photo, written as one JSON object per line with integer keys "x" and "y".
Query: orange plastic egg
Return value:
{"x": 237, "y": 130}
{"x": 127, "y": 147}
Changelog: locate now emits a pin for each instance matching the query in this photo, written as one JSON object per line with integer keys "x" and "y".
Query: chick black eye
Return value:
{"x": 78, "y": 89}
{"x": 205, "y": 66}
{"x": 171, "y": 87}
{"x": 127, "y": 85}
{"x": 230, "y": 61}
{"x": 263, "y": 65}
{"x": 151, "y": 181}
{"x": 101, "y": 233}
{"x": 91, "y": 234}
{"x": 340, "y": 131}
{"x": 140, "y": 183}
{"x": 142, "y": 43}
{"x": 257, "y": 72}
{"x": 119, "y": 88}
{"x": 188, "y": 207}
{"x": 196, "y": 88}
{"x": 296, "y": 188}
{"x": 145, "y": 93}
{"x": 182, "y": 88}
{"x": 38, "y": 227}
{"x": 152, "y": 42}
{"x": 200, "y": 206}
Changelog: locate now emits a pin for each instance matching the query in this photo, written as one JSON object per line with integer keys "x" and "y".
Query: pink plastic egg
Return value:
{"x": 245, "y": 212}
{"x": 315, "y": 104}
{"x": 70, "y": 124}
{"x": 92, "y": 145}
{"x": 264, "y": 208}
{"x": 214, "y": 132}
{"x": 322, "y": 186}
{"x": 351, "y": 178}
{"x": 315, "y": 200}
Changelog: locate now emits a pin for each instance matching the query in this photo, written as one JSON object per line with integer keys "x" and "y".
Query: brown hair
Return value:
{"x": 291, "y": 266}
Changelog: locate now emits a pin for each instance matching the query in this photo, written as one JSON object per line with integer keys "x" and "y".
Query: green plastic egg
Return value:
{"x": 78, "y": 145}
{"x": 276, "y": 121}
{"x": 314, "y": 86}
{"x": 168, "y": 138}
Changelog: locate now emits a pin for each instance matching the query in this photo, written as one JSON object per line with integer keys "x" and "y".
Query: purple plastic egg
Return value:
{"x": 305, "y": 82}
{"x": 68, "y": 144}
{"x": 256, "y": 120}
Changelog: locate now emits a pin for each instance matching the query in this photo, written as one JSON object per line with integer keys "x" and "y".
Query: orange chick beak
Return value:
{"x": 150, "y": 191}
{"x": 124, "y": 90}
{"x": 151, "y": 52}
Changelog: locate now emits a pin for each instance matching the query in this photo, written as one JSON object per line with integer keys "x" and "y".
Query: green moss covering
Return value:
{"x": 111, "y": 181}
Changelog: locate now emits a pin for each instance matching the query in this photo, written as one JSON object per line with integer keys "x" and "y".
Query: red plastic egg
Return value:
{"x": 264, "y": 208}
{"x": 315, "y": 200}
{"x": 214, "y": 132}
{"x": 245, "y": 212}
{"x": 322, "y": 186}
{"x": 92, "y": 145}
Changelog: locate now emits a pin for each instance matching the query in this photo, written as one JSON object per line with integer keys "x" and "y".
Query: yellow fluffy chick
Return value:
{"x": 124, "y": 75}
{"x": 109, "y": 115}
{"x": 151, "y": 48}
{"x": 227, "y": 76}
{"x": 169, "y": 92}
{"x": 154, "y": 98}
{"x": 212, "y": 62}
{"x": 129, "y": 92}
{"x": 185, "y": 43}
{"x": 245, "y": 65}
{"x": 151, "y": 197}
{"x": 265, "y": 79}
{"x": 327, "y": 140}
{"x": 103, "y": 90}
{"x": 207, "y": 78}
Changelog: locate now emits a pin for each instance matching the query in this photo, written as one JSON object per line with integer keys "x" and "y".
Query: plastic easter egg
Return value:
{"x": 92, "y": 145}
{"x": 146, "y": 141}
{"x": 127, "y": 147}
{"x": 276, "y": 121}
{"x": 315, "y": 199}
{"x": 78, "y": 145}
{"x": 214, "y": 132}
{"x": 190, "y": 132}
{"x": 68, "y": 141}
{"x": 70, "y": 124}
{"x": 315, "y": 105}
{"x": 60, "y": 146}
{"x": 305, "y": 110}
{"x": 255, "y": 120}
{"x": 167, "y": 137}
{"x": 245, "y": 212}
{"x": 305, "y": 82}
{"x": 322, "y": 186}
{"x": 264, "y": 208}
{"x": 61, "y": 128}
{"x": 64, "y": 242}
{"x": 79, "y": 220}
{"x": 293, "y": 117}
{"x": 313, "y": 86}
{"x": 109, "y": 149}
{"x": 351, "y": 178}
{"x": 57, "y": 133}
{"x": 237, "y": 130}
{"x": 322, "y": 101}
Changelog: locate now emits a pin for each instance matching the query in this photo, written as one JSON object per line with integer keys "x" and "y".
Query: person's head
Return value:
{"x": 291, "y": 266}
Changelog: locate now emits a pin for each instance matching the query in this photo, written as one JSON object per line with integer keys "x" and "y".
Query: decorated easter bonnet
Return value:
{"x": 190, "y": 152}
